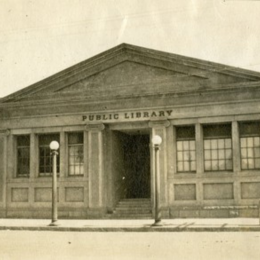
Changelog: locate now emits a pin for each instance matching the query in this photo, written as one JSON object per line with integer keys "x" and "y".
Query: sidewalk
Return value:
{"x": 118, "y": 225}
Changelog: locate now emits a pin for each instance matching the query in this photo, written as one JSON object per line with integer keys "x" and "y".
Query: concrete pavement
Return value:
{"x": 142, "y": 225}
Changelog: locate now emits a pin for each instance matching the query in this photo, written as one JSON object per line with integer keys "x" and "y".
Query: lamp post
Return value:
{"x": 54, "y": 146}
{"x": 156, "y": 141}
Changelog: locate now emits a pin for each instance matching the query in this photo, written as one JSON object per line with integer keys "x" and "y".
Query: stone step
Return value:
{"x": 141, "y": 203}
{"x": 124, "y": 205}
{"x": 136, "y": 200}
{"x": 130, "y": 217}
{"x": 134, "y": 210}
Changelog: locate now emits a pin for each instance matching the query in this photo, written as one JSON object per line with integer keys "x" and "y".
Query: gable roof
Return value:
{"x": 77, "y": 79}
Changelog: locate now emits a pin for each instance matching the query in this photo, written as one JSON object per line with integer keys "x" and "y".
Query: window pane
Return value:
{"x": 75, "y": 138}
{"x": 179, "y": 146}
{"x": 180, "y": 166}
{"x": 206, "y": 144}
{"x": 250, "y": 142}
{"x": 76, "y": 157}
{"x": 220, "y": 131}
{"x": 250, "y": 153}
{"x": 256, "y": 141}
{"x": 207, "y": 155}
{"x": 192, "y": 156}
{"x": 23, "y": 156}
{"x": 193, "y": 166}
{"x": 221, "y": 143}
{"x": 244, "y": 164}
{"x": 243, "y": 142}
{"x": 221, "y": 154}
{"x": 214, "y": 165}
{"x": 221, "y": 164}
{"x": 257, "y": 152}
{"x": 228, "y": 143}
{"x": 229, "y": 164}
{"x": 214, "y": 154}
{"x": 244, "y": 153}
{"x": 186, "y": 145}
{"x": 257, "y": 163}
{"x": 207, "y": 165}
{"x": 192, "y": 145}
{"x": 185, "y": 132}
{"x": 214, "y": 144}
{"x": 250, "y": 164}
{"x": 186, "y": 167}
{"x": 179, "y": 156}
{"x": 186, "y": 156}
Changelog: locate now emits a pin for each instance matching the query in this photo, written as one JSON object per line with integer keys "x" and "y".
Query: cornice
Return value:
{"x": 55, "y": 99}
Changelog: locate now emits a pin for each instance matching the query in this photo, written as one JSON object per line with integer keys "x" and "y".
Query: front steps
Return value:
{"x": 133, "y": 209}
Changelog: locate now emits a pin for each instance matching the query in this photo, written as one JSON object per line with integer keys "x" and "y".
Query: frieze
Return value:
{"x": 128, "y": 116}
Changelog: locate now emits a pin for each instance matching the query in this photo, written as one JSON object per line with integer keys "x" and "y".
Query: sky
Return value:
{"x": 39, "y": 38}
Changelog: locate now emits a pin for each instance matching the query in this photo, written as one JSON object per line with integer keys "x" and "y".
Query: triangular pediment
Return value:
{"x": 130, "y": 70}
{"x": 125, "y": 78}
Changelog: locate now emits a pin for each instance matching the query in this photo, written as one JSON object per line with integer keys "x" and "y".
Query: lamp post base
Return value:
{"x": 54, "y": 223}
{"x": 157, "y": 223}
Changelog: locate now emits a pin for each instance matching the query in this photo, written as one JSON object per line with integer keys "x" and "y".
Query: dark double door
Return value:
{"x": 137, "y": 166}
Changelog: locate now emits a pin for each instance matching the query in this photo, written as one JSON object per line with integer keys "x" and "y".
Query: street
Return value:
{"x": 129, "y": 245}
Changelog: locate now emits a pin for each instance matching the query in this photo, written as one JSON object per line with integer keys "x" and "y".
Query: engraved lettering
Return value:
{"x": 138, "y": 114}
{"x": 169, "y": 112}
{"x": 161, "y": 113}
{"x": 146, "y": 114}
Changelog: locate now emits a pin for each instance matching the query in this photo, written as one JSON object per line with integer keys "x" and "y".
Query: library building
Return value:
{"x": 105, "y": 112}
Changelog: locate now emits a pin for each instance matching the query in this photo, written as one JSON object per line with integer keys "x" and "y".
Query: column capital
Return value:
{"x": 4, "y": 132}
{"x": 159, "y": 123}
{"x": 95, "y": 127}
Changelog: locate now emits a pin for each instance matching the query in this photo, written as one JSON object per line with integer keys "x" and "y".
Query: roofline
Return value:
{"x": 192, "y": 62}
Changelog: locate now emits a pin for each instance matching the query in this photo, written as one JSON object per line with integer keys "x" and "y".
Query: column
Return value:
{"x": 3, "y": 170}
{"x": 199, "y": 162}
{"x": 96, "y": 165}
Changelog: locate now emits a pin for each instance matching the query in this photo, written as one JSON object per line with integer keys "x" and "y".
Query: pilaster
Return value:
{"x": 159, "y": 128}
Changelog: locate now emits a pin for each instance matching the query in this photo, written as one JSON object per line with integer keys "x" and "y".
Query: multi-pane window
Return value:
{"x": 76, "y": 156}
{"x": 217, "y": 147}
{"x": 250, "y": 145}
{"x": 23, "y": 155}
{"x": 186, "y": 149}
{"x": 45, "y": 157}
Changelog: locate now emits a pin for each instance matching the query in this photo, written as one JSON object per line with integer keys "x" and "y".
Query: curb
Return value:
{"x": 133, "y": 229}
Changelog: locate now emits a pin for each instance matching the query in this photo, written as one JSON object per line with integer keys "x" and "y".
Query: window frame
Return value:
{"x": 49, "y": 158}
{"x": 226, "y": 147}
{"x": 253, "y": 147}
{"x": 183, "y": 151}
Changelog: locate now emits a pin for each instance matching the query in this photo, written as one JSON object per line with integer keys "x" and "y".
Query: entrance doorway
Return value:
{"x": 137, "y": 165}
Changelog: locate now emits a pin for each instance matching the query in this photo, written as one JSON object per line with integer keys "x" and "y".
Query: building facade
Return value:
{"x": 104, "y": 112}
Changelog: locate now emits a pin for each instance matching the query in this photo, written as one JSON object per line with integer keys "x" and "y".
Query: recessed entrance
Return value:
{"x": 137, "y": 165}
